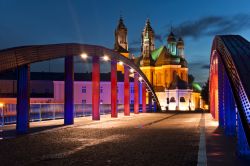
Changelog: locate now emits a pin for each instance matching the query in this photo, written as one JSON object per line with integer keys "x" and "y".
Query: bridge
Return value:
{"x": 190, "y": 138}
{"x": 20, "y": 58}
{"x": 229, "y": 88}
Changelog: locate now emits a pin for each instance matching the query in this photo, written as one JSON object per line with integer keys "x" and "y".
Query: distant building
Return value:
{"x": 165, "y": 67}
{"x": 49, "y": 88}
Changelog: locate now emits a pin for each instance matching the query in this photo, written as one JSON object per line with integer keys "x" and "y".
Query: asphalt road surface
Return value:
{"x": 144, "y": 139}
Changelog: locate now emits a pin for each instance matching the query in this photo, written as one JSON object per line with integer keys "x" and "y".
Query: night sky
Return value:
{"x": 30, "y": 22}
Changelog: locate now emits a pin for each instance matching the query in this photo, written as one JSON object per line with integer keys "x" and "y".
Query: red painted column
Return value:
{"x": 126, "y": 91}
{"x": 95, "y": 88}
{"x": 113, "y": 89}
{"x": 144, "y": 110}
{"x": 136, "y": 93}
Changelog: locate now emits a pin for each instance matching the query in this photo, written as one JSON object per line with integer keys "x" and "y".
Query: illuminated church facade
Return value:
{"x": 165, "y": 67}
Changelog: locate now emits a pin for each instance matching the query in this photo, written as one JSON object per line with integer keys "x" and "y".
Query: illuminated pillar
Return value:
{"x": 155, "y": 106}
{"x": 230, "y": 109}
{"x": 243, "y": 148}
{"x": 136, "y": 93}
{"x": 126, "y": 91}
{"x": 113, "y": 89}
{"x": 221, "y": 91}
{"x": 95, "y": 88}
{"x": 23, "y": 99}
{"x": 69, "y": 90}
{"x": 144, "y": 109}
{"x": 150, "y": 101}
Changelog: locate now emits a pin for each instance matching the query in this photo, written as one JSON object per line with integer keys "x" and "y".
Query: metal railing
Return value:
{"x": 40, "y": 112}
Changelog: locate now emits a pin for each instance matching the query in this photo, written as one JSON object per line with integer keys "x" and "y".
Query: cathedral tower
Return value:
{"x": 121, "y": 43}
{"x": 180, "y": 47}
{"x": 171, "y": 43}
{"x": 148, "y": 44}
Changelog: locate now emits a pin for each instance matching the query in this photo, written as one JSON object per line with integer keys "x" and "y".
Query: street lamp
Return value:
{"x": 131, "y": 70}
{"x": 120, "y": 63}
{"x": 84, "y": 56}
{"x": 105, "y": 58}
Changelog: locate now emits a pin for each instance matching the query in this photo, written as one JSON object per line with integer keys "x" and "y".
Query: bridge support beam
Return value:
{"x": 144, "y": 109}
{"x": 243, "y": 148}
{"x": 136, "y": 93}
{"x": 150, "y": 101}
{"x": 229, "y": 108}
{"x": 95, "y": 88}
{"x": 23, "y": 99}
{"x": 126, "y": 91}
{"x": 155, "y": 106}
{"x": 113, "y": 89}
{"x": 69, "y": 91}
{"x": 221, "y": 91}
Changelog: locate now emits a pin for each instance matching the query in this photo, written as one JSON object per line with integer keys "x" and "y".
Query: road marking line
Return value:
{"x": 202, "y": 155}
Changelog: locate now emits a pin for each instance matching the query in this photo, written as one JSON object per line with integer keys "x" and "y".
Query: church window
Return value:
{"x": 182, "y": 99}
{"x": 167, "y": 100}
{"x": 172, "y": 100}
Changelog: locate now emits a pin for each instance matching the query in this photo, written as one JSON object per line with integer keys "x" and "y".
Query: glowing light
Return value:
{"x": 105, "y": 58}
{"x": 84, "y": 56}
{"x": 120, "y": 63}
{"x": 1, "y": 104}
{"x": 140, "y": 78}
{"x": 131, "y": 70}
{"x": 196, "y": 86}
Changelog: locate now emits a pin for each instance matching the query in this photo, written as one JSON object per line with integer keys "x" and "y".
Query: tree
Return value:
{"x": 205, "y": 91}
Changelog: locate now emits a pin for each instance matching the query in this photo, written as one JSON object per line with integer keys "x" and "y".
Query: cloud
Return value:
{"x": 199, "y": 65}
{"x": 213, "y": 25}
{"x": 205, "y": 66}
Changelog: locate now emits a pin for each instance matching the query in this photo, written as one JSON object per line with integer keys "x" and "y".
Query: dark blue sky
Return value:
{"x": 26, "y": 22}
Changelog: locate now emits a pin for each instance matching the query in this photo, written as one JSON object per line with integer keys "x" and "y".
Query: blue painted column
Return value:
{"x": 155, "y": 106}
{"x": 23, "y": 99}
{"x": 69, "y": 90}
{"x": 230, "y": 109}
{"x": 243, "y": 148}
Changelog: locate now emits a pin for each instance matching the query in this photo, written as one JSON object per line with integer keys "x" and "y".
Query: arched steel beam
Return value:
{"x": 12, "y": 58}
{"x": 233, "y": 51}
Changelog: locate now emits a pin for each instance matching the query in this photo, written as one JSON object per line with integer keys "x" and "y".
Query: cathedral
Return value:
{"x": 165, "y": 67}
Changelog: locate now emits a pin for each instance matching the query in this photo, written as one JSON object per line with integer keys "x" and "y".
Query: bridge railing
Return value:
{"x": 51, "y": 111}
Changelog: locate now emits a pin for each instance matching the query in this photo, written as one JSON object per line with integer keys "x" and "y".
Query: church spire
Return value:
{"x": 171, "y": 42}
{"x": 147, "y": 43}
{"x": 121, "y": 43}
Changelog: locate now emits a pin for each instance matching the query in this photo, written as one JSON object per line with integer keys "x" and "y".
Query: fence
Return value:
{"x": 39, "y": 112}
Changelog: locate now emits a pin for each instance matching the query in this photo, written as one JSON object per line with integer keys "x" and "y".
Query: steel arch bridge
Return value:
{"x": 229, "y": 87}
{"x": 21, "y": 57}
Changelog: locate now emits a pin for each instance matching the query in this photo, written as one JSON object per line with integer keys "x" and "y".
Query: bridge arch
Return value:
{"x": 229, "y": 87}
{"x": 21, "y": 57}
